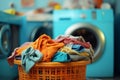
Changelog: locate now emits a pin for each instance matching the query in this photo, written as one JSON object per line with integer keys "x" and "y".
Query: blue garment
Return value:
{"x": 61, "y": 57}
{"x": 77, "y": 47}
{"x": 29, "y": 58}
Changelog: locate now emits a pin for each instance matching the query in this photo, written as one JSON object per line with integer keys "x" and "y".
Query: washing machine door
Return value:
{"x": 91, "y": 34}
{"x": 44, "y": 29}
{"x": 5, "y": 44}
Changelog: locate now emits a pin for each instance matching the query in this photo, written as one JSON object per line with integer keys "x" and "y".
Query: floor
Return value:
{"x": 116, "y": 78}
{"x": 101, "y": 79}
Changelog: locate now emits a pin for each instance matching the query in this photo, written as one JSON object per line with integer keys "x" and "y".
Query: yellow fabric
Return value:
{"x": 10, "y": 11}
{"x": 71, "y": 51}
{"x": 57, "y": 7}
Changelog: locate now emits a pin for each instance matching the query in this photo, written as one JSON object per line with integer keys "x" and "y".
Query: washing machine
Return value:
{"x": 9, "y": 39}
{"x": 96, "y": 26}
{"x": 117, "y": 47}
{"x": 34, "y": 26}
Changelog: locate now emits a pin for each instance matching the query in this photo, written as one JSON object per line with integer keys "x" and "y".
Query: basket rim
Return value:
{"x": 57, "y": 64}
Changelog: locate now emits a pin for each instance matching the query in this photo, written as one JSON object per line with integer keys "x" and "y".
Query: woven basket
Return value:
{"x": 54, "y": 71}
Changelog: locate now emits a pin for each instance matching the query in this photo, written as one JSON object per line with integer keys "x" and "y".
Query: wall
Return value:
{"x": 117, "y": 6}
{"x": 5, "y": 4}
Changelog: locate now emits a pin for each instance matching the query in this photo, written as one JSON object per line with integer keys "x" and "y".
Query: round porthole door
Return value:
{"x": 45, "y": 29}
{"x": 5, "y": 44}
{"x": 91, "y": 34}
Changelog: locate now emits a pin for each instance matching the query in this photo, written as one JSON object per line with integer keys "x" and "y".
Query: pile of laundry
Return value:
{"x": 65, "y": 48}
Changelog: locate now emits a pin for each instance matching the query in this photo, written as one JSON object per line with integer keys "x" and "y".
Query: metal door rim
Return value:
{"x": 99, "y": 34}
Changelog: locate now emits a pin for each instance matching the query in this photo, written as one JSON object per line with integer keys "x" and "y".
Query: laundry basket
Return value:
{"x": 54, "y": 71}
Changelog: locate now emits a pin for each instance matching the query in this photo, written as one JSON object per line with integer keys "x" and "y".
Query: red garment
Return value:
{"x": 67, "y": 40}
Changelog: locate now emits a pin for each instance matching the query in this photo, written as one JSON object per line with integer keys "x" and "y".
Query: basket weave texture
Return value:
{"x": 54, "y": 71}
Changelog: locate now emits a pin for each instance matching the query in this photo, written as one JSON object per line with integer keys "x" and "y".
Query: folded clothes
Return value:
{"x": 61, "y": 57}
{"x": 29, "y": 57}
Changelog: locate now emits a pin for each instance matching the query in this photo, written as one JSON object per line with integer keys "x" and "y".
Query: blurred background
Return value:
{"x": 25, "y": 20}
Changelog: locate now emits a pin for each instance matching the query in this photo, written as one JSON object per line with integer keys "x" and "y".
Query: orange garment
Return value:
{"x": 45, "y": 45}
{"x": 98, "y": 3}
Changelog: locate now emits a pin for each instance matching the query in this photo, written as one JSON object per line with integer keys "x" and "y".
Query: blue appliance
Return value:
{"x": 117, "y": 46}
{"x": 9, "y": 39}
{"x": 32, "y": 28}
{"x": 96, "y": 26}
